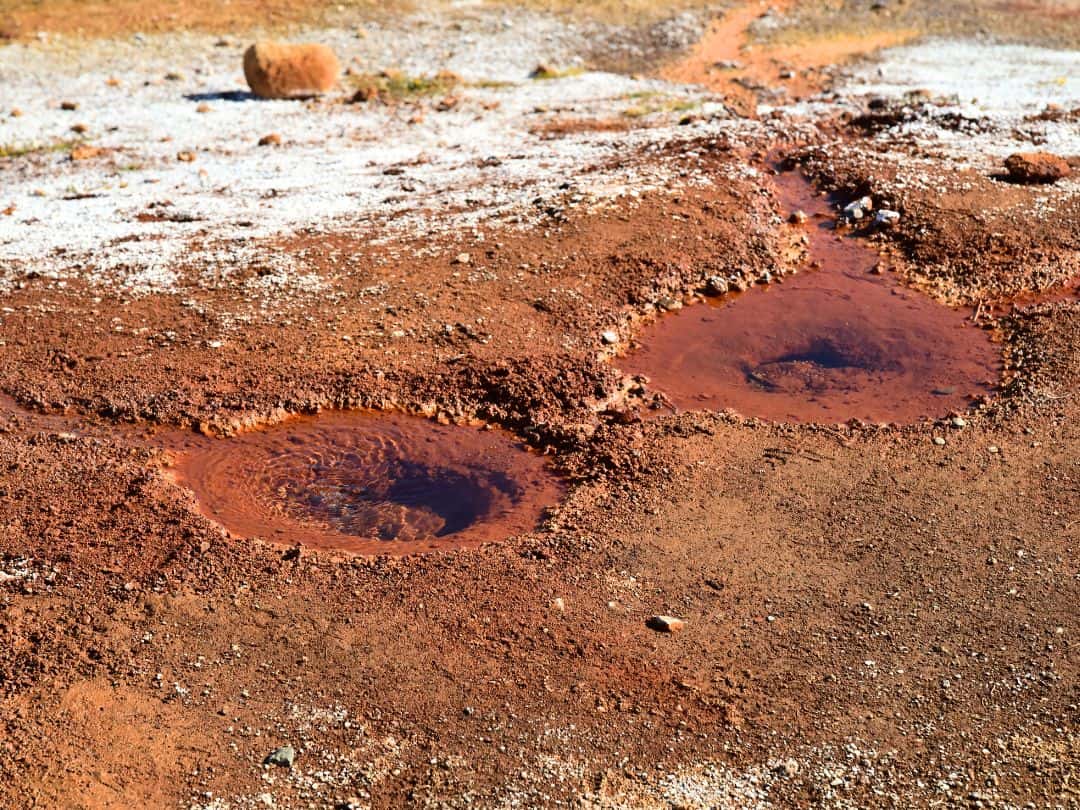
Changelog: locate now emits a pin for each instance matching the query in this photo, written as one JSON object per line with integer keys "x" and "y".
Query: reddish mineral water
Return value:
{"x": 369, "y": 483}
{"x": 826, "y": 345}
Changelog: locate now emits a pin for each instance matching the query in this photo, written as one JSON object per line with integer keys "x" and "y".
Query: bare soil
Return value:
{"x": 876, "y": 616}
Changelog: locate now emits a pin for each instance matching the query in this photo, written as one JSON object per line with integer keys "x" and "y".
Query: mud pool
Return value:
{"x": 835, "y": 342}
{"x": 369, "y": 483}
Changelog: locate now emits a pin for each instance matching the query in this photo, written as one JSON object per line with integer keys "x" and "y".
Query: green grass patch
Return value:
{"x": 546, "y": 72}
{"x": 657, "y": 103}
{"x": 11, "y": 150}
{"x": 394, "y": 85}
{"x": 491, "y": 84}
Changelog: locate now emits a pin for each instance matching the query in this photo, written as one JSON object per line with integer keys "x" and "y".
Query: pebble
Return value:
{"x": 886, "y": 218}
{"x": 273, "y": 139}
{"x": 994, "y": 448}
{"x": 939, "y": 440}
{"x": 282, "y": 757}
{"x": 669, "y": 304}
{"x": 797, "y": 217}
{"x": 462, "y": 258}
{"x": 558, "y": 604}
{"x": 716, "y": 285}
{"x": 70, "y": 106}
{"x": 1036, "y": 167}
{"x": 186, "y": 156}
{"x": 86, "y": 152}
{"x": 959, "y": 422}
{"x": 203, "y": 108}
{"x": 665, "y": 624}
{"x": 859, "y": 209}
{"x": 281, "y": 70}
{"x": 609, "y": 337}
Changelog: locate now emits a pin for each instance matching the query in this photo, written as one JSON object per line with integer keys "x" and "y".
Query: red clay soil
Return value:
{"x": 862, "y": 585}
{"x": 873, "y": 618}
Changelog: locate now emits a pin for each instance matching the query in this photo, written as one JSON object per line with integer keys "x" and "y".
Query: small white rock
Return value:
{"x": 859, "y": 209}
{"x": 610, "y": 337}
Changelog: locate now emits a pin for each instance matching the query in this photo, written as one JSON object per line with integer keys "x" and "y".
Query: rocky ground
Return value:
{"x": 875, "y": 615}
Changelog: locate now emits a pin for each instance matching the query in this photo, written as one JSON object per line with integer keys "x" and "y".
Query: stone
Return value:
{"x": 273, "y": 139}
{"x": 939, "y": 440}
{"x": 282, "y": 757}
{"x": 203, "y": 108}
{"x": 716, "y": 285}
{"x": 858, "y": 209}
{"x": 959, "y": 422}
{"x": 186, "y": 156}
{"x": 610, "y": 337}
{"x": 886, "y": 218}
{"x": 70, "y": 106}
{"x": 462, "y": 258}
{"x": 665, "y": 624}
{"x": 797, "y": 217}
{"x": 559, "y": 604}
{"x": 283, "y": 70}
{"x": 669, "y": 304}
{"x": 1036, "y": 167}
{"x": 86, "y": 152}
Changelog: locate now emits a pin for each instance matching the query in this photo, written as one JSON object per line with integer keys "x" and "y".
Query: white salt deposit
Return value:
{"x": 1000, "y": 88}
{"x": 985, "y": 78}
{"x": 139, "y": 219}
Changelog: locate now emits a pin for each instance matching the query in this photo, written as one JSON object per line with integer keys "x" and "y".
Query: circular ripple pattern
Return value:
{"x": 826, "y": 345}
{"x": 368, "y": 483}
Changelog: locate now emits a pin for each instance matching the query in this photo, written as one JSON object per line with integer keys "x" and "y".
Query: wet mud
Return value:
{"x": 367, "y": 483}
{"x": 840, "y": 340}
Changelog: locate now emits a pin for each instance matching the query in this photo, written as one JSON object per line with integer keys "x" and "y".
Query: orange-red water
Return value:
{"x": 826, "y": 345}
{"x": 368, "y": 483}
